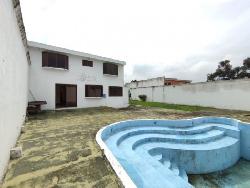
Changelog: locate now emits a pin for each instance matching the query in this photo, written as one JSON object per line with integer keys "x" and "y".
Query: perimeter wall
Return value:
{"x": 231, "y": 94}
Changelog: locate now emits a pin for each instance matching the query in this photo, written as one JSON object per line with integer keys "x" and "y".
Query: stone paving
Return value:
{"x": 59, "y": 148}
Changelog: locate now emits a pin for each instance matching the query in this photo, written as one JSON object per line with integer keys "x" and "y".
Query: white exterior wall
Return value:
{"x": 43, "y": 79}
{"x": 220, "y": 94}
{"x": 147, "y": 83}
{"x": 13, "y": 81}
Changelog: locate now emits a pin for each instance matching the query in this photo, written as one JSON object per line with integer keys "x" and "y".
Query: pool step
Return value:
{"x": 209, "y": 136}
{"x": 222, "y": 142}
{"x": 152, "y": 168}
{"x": 183, "y": 174}
{"x": 159, "y": 130}
{"x": 175, "y": 169}
{"x": 122, "y": 135}
{"x": 167, "y": 163}
{"x": 184, "y": 154}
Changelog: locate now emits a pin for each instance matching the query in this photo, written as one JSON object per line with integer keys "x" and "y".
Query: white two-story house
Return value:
{"x": 37, "y": 72}
{"x": 70, "y": 79}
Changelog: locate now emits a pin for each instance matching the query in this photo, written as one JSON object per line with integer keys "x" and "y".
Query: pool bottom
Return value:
{"x": 235, "y": 176}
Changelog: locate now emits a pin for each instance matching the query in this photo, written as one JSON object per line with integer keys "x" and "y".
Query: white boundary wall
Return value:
{"x": 233, "y": 94}
{"x": 13, "y": 79}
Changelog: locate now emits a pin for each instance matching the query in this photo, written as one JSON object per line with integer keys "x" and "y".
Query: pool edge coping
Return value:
{"x": 117, "y": 167}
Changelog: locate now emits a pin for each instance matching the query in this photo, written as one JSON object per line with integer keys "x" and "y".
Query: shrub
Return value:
{"x": 143, "y": 97}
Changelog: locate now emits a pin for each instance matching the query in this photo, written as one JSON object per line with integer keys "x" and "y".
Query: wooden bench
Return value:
{"x": 35, "y": 106}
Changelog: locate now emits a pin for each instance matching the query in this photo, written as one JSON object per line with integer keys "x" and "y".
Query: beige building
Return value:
{"x": 159, "y": 81}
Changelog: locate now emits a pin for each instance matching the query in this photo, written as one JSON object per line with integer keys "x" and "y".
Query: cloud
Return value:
{"x": 183, "y": 39}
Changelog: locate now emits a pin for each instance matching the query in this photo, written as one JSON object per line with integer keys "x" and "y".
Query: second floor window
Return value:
{"x": 93, "y": 91}
{"x": 110, "y": 68}
{"x": 51, "y": 59}
{"x": 87, "y": 63}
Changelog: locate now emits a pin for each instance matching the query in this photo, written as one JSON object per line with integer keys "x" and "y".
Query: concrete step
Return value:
{"x": 197, "y": 158}
{"x": 223, "y": 142}
{"x": 151, "y": 173}
{"x": 121, "y": 136}
{"x": 183, "y": 174}
{"x": 167, "y": 166}
{"x": 174, "y": 168}
{"x": 139, "y": 140}
{"x": 158, "y": 157}
{"x": 166, "y": 163}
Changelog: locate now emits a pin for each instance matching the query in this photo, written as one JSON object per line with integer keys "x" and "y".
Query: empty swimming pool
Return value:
{"x": 160, "y": 153}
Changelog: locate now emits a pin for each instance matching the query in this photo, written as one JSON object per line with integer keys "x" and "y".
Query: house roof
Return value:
{"x": 73, "y": 52}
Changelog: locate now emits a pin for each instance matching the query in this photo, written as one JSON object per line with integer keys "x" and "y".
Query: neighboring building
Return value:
{"x": 66, "y": 78}
{"x": 14, "y": 60}
{"x": 175, "y": 81}
{"x": 159, "y": 81}
{"x": 146, "y": 83}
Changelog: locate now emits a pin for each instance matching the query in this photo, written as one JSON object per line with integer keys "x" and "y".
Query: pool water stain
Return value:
{"x": 237, "y": 176}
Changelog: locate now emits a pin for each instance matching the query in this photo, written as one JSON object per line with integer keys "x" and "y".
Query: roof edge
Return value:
{"x": 18, "y": 13}
{"x": 73, "y": 52}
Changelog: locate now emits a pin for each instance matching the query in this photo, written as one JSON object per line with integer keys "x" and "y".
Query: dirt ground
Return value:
{"x": 59, "y": 148}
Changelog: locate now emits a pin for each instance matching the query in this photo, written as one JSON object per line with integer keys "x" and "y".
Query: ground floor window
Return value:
{"x": 115, "y": 91}
{"x": 66, "y": 95}
{"x": 93, "y": 90}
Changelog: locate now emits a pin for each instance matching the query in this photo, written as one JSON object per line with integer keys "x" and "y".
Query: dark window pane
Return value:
{"x": 110, "y": 68}
{"x": 87, "y": 63}
{"x": 66, "y": 62}
{"x": 50, "y": 59}
{"x": 61, "y": 61}
{"x": 93, "y": 90}
{"x": 115, "y": 91}
{"x": 45, "y": 59}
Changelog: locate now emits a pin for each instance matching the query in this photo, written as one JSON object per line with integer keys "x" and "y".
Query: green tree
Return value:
{"x": 223, "y": 72}
{"x": 226, "y": 72}
{"x": 246, "y": 63}
{"x": 246, "y": 68}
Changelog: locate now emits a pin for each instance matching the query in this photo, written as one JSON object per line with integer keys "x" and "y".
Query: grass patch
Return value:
{"x": 169, "y": 106}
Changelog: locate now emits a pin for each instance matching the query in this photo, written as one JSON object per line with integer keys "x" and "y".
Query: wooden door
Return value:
{"x": 66, "y": 95}
{"x": 71, "y": 99}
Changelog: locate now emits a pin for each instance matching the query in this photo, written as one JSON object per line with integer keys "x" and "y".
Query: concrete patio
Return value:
{"x": 59, "y": 148}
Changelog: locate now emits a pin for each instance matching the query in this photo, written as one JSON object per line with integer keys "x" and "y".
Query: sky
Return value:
{"x": 172, "y": 38}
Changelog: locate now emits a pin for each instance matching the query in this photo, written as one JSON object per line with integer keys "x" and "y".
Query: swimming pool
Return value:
{"x": 160, "y": 153}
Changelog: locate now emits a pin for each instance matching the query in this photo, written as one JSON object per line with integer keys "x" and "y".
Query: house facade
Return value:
{"x": 69, "y": 79}
{"x": 63, "y": 78}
